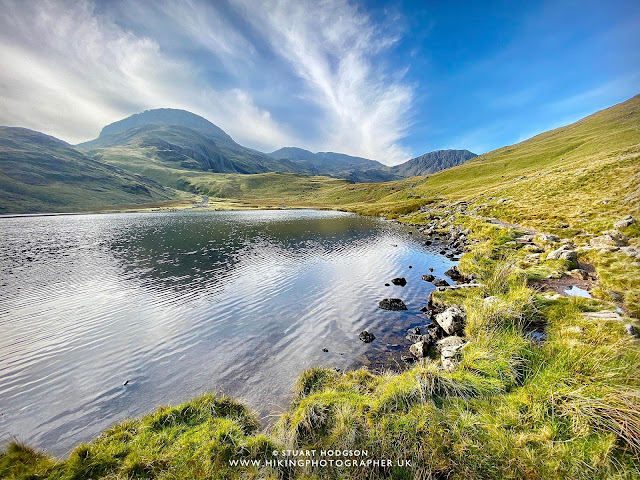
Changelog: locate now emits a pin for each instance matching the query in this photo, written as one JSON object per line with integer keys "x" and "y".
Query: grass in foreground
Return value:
{"x": 513, "y": 408}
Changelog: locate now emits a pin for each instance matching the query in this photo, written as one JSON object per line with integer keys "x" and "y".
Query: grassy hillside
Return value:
{"x": 39, "y": 173}
{"x": 513, "y": 404}
{"x": 183, "y": 140}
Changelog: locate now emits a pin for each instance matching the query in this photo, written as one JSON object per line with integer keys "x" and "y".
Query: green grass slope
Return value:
{"x": 39, "y": 173}
{"x": 512, "y": 407}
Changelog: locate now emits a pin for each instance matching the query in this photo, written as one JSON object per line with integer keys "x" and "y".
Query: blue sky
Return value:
{"x": 383, "y": 80}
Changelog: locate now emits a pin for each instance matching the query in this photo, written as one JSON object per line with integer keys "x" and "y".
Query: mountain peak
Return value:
{"x": 432, "y": 162}
{"x": 166, "y": 116}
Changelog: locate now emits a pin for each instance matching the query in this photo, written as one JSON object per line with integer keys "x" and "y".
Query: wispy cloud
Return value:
{"x": 70, "y": 67}
{"x": 334, "y": 47}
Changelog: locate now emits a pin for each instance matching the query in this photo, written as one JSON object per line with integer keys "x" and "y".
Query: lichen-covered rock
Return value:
{"x": 565, "y": 253}
{"x": 392, "y": 304}
{"x": 451, "y": 320}
{"x": 624, "y": 222}
{"x": 448, "y": 346}
{"x": 610, "y": 238}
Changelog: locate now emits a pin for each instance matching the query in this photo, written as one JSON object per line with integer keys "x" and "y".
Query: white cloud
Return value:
{"x": 334, "y": 48}
{"x": 70, "y": 68}
{"x": 68, "y": 72}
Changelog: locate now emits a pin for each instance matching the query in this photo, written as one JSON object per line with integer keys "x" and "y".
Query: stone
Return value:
{"x": 366, "y": 337}
{"x": 407, "y": 358}
{"x": 420, "y": 349}
{"x": 579, "y": 274}
{"x": 547, "y": 238}
{"x": 401, "y": 281}
{"x": 449, "y": 346}
{"x": 453, "y": 273}
{"x": 325, "y": 350}
{"x": 631, "y": 251}
{"x": 603, "y": 315}
{"x": 615, "y": 296}
{"x": 451, "y": 320}
{"x": 394, "y": 304}
{"x": 533, "y": 248}
{"x": 565, "y": 253}
{"x": 575, "y": 329}
{"x": 440, "y": 282}
{"x": 532, "y": 258}
{"x": 610, "y": 238}
{"x": 624, "y": 222}
{"x": 490, "y": 300}
{"x": 631, "y": 330}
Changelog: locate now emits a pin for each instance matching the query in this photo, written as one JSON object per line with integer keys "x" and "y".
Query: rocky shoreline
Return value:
{"x": 441, "y": 337}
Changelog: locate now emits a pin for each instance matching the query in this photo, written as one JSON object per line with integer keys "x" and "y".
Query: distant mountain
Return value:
{"x": 180, "y": 140}
{"x": 165, "y": 144}
{"x": 338, "y": 165}
{"x": 40, "y": 173}
{"x": 432, "y": 162}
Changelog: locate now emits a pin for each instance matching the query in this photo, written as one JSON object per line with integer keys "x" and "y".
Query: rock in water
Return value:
{"x": 453, "y": 273}
{"x": 392, "y": 304}
{"x": 440, "y": 282}
{"x": 401, "y": 281}
{"x": 428, "y": 277}
{"x": 451, "y": 320}
{"x": 366, "y": 337}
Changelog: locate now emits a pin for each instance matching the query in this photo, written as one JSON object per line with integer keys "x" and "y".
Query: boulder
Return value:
{"x": 440, "y": 282}
{"x": 451, "y": 320}
{"x": 579, "y": 274}
{"x": 366, "y": 337}
{"x": 610, "y": 238}
{"x": 453, "y": 273}
{"x": 420, "y": 349}
{"x": 624, "y": 222}
{"x": 631, "y": 330}
{"x": 428, "y": 277}
{"x": 394, "y": 304}
{"x": 631, "y": 251}
{"x": 565, "y": 253}
{"x": 449, "y": 346}
{"x": 401, "y": 281}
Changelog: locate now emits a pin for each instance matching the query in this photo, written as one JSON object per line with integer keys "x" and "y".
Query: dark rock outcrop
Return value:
{"x": 366, "y": 337}
{"x": 394, "y": 304}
